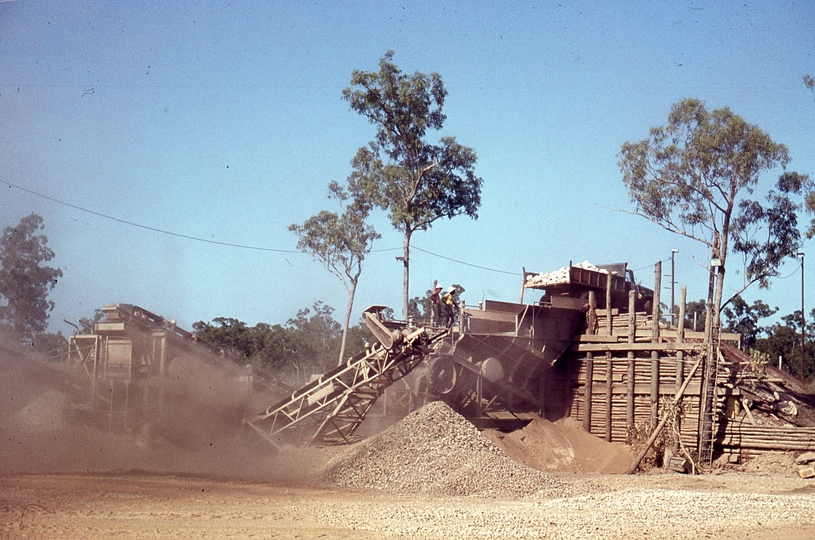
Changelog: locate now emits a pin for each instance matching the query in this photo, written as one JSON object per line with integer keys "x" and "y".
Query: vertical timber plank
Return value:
{"x": 609, "y": 316}
{"x": 655, "y": 339}
{"x": 680, "y": 365}
{"x": 588, "y": 392}
{"x": 632, "y": 330}
{"x": 609, "y": 385}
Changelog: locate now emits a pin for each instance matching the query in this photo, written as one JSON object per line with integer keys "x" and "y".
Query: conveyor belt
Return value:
{"x": 329, "y": 409}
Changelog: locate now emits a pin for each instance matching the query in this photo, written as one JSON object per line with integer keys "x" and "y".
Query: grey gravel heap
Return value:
{"x": 436, "y": 451}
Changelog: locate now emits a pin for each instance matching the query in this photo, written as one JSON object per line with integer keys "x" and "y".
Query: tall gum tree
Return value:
{"x": 24, "y": 278}
{"x": 696, "y": 177}
{"x": 399, "y": 171}
{"x": 340, "y": 242}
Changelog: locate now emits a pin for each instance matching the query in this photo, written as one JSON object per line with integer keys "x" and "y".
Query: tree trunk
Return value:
{"x": 351, "y": 293}
{"x": 712, "y": 328}
{"x": 406, "y": 279}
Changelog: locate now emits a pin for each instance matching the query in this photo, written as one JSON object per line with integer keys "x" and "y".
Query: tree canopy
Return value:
{"x": 743, "y": 318}
{"x": 305, "y": 344}
{"x": 781, "y": 342}
{"x": 25, "y": 280}
{"x": 696, "y": 177}
{"x": 340, "y": 243}
{"x": 415, "y": 181}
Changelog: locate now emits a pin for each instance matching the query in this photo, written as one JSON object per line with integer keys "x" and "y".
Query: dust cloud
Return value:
{"x": 189, "y": 422}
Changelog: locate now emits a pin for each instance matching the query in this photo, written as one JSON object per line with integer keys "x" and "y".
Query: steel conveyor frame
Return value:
{"x": 329, "y": 409}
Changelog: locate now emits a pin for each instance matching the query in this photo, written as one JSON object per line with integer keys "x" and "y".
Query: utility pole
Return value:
{"x": 803, "y": 319}
{"x": 673, "y": 283}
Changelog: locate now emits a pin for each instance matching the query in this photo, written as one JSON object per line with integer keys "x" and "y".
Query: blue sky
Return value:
{"x": 224, "y": 121}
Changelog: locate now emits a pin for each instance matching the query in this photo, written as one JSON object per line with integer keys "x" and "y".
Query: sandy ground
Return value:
{"x": 194, "y": 478}
{"x": 139, "y": 505}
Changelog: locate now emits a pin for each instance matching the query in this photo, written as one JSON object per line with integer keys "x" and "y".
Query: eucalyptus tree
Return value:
{"x": 340, "y": 242}
{"x": 697, "y": 175}
{"x": 25, "y": 280}
{"x": 415, "y": 181}
{"x": 743, "y": 318}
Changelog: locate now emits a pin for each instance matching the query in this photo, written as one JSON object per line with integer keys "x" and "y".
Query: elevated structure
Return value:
{"x": 134, "y": 356}
{"x": 491, "y": 363}
{"x": 330, "y": 408}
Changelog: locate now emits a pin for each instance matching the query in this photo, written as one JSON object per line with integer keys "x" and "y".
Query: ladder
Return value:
{"x": 709, "y": 408}
{"x": 329, "y": 409}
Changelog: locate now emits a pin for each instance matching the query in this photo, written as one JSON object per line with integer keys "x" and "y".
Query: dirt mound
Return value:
{"x": 562, "y": 446}
{"x": 436, "y": 451}
{"x": 772, "y": 462}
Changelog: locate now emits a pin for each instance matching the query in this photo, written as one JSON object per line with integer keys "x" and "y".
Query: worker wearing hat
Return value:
{"x": 449, "y": 305}
{"x": 435, "y": 304}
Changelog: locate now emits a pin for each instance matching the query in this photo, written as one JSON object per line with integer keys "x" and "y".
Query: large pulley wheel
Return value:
{"x": 443, "y": 374}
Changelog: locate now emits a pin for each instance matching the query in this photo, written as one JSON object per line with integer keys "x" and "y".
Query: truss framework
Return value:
{"x": 329, "y": 409}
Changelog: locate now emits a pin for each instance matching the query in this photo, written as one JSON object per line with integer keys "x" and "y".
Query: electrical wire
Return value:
{"x": 228, "y": 244}
{"x": 147, "y": 227}
{"x": 466, "y": 263}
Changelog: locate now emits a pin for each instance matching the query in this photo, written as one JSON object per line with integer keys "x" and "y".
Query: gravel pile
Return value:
{"x": 436, "y": 451}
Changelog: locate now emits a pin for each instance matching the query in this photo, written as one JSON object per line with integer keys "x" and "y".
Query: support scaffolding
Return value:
{"x": 331, "y": 408}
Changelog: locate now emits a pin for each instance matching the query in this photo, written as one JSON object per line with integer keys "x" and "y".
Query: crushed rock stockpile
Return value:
{"x": 436, "y": 451}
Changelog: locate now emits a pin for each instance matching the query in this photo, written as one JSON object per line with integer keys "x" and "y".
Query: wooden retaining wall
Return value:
{"x": 622, "y": 374}
{"x": 745, "y": 440}
{"x": 612, "y": 415}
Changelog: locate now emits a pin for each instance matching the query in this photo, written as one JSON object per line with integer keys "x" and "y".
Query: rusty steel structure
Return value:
{"x": 330, "y": 409}
{"x": 491, "y": 364}
{"x": 133, "y": 355}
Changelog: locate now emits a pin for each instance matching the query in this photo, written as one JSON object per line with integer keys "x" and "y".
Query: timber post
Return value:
{"x": 680, "y": 364}
{"x": 609, "y": 395}
{"x": 632, "y": 331}
{"x": 655, "y": 339}
{"x": 609, "y": 316}
{"x": 588, "y": 392}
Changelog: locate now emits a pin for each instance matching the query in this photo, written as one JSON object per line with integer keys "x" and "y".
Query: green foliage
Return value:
{"x": 24, "y": 280}
{"x": 420, "y": 307}
{"x": 314, "y": 339}
{"x": 695, "y": 311}
{"x": 306, "y": 344}
{"x": 695, "y": 176}
{"x": 399, "y": 171}
{"x": 766, "y": 234}
{"x": 743, "y": 319}
{"x": 341, "y": 244}
{"x": 759, "y": 358}
{"x": 783, "y": 339}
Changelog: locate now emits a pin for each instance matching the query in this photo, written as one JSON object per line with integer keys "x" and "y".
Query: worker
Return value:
{"x": 449, "y": 305}
{"x": 435, "y": 304}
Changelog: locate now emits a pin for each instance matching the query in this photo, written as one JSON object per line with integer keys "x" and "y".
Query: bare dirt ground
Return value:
{"x": 140, "y": 505}
{"x": 428, "y": 476}
{"x": 444, "y": 482}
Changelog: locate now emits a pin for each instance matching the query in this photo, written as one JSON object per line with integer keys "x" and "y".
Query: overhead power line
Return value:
{"x": 466, "y": 263}
{"x": 228, "y": 244}
{"x": 147, "y": 227}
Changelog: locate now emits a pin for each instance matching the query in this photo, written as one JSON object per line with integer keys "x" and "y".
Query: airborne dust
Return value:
{"x": 48, "y": 426}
